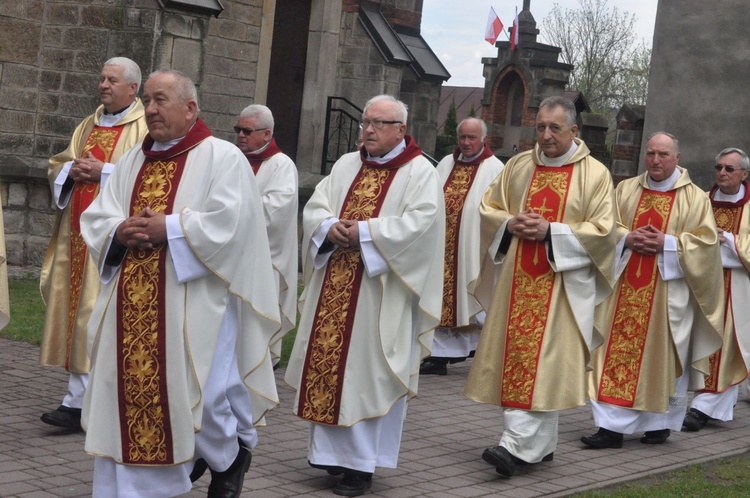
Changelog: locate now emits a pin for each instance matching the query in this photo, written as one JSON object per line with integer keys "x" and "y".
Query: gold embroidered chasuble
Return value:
{"x": 152, "y": 337}
{"x": 361, "y": 338}
{"x": 69, "y": 283}
{"x": 532, "y": 353}
{"x": 663, "y": 337}
{"x": 727, "y": 367}
{"x": 463, "y": 186}
{"x": 628, "y": 335}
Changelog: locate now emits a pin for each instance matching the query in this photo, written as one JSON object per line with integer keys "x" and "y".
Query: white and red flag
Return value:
{"x": 494, "y": 27}
{"x": 514, "y": 32}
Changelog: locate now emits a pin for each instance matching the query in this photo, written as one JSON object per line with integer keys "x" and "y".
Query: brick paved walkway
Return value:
{"x": 444, "y": 437}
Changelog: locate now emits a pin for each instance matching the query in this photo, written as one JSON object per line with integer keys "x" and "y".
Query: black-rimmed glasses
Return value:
{"x": 247, "y": 131}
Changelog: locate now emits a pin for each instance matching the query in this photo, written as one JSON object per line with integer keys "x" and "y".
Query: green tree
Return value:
{"x": 472, "y": 111}
{"x": 610, "y": 65}
{"x": 446, "y": 141}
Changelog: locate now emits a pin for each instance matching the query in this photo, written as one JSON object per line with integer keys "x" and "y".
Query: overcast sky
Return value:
{"x": 454, "y": 29}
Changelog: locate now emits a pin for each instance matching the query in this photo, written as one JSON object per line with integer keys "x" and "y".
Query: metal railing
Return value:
{"x": 341, "y": 132}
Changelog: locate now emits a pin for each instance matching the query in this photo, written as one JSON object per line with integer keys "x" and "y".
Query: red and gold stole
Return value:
{"x": 101, "y": 143}
{"x": 256, "y": 160}
{"x": 530, "y": 297}
{"x": 627, "y": 339}
{"x": 728, "y": 217}
{"x": 330, "y": 336}
{"x": 145, "y": 428}
{"x": 455, "y": 189}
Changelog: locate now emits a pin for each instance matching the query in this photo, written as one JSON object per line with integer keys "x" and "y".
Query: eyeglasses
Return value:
{"x": 247, "y": 131}
{"x": 377, "y": 124}
{"x": 729, "y": 169}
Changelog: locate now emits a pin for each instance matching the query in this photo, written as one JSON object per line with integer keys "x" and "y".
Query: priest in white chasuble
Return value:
{"x": 465, "y": 175}
{"x": 69, "y": 281}
{"x": 179, "y": 239}
{"x": 276, "y": 176}
{"x": 373, "y": 271}
{"x": 548, "y": 238}
{"x": 665, "y": 316}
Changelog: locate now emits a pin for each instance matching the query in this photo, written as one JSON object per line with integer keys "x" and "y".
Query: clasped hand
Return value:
{"x": 528, "y": 225}
{"x": 344, "y": 233}
{"x": 645, "y": 240}
{"x": 87, "y": 169}
{"x": 143, "y": 231}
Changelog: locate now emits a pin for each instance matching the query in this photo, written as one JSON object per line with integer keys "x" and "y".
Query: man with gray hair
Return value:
{"x": 69, "y": 280}
{"x": 664, "y": 318}
{"x": 729, "y": 366}
{"x": 276, "y": 176}
{"x": 372, "y": 254}
{"x": 178, "y": 237}
{"x": 465, "y": 175}
{"x": 547, "y": 243}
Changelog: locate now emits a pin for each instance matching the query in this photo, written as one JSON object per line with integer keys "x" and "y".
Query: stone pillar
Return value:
{"x": 698, "y": 81}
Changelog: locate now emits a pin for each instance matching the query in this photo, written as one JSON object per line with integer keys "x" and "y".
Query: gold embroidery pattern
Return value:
{"x": 331, "y": 331}
{"x": 533, "y": 280}
{"x": 455, "y": 192}
{"x": 622, "y": 364}
{"x": 77, "y": 259}
{"x": 104, "y": 139}
{"x": 728, "y": 220}
{"x": 142, "y": 364}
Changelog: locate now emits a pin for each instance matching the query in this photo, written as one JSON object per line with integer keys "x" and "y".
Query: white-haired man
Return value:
{"x": 373, "y": 270}
{"x": 729, "y": 366}
{"x": 69, "y": 280}
{"x": 276, "y": 176}
{"x": 178, "y": 237}
{"x": 465, "y": 175}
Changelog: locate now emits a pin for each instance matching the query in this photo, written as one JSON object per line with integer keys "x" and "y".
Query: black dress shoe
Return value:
{"x": 604, "y": 438}
{"x": 433, "y": 366}
{"x": 501, "y": 459}
{"x": 64, "y": 416}
{"x": 354, "y": 483}
{"x": 228, "y": 484}
{"x": 655, "y": 437}
{"x": 695, "y": 420}
{"x": 199, "y": 468}
{"x": 332, "y": 470}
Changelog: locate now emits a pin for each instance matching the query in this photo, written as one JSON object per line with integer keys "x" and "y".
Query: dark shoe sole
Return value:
{"x": 347, "y": 491}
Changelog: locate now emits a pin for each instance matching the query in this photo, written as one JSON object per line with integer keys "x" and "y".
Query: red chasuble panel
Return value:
{"x": 455, "y": 190}
{"x": 330, "y": 337}
{"x": 727, "y": 219}
{"x": 627, "y": 339}
{"x": 533, "y": 281}
{"x": 101, "y": 143}
{"x": 141, "y": 333}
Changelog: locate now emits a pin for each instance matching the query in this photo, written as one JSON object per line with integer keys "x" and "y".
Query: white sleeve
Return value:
{"x": 186, "y": 264}
{"x": 374, "y": 262}
{"x": 729, "y": 256}
{"x": 317, "y": 240}
{"x": 668, "y": 261}
{"x": 107, "y": 170}
{"x": 60, "y": 199}
{"x": 568, "y": 251}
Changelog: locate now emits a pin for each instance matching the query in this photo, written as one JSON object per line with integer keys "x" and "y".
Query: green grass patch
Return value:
{"x": 728, "y": 477}
{"x": 26, "y": 311}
